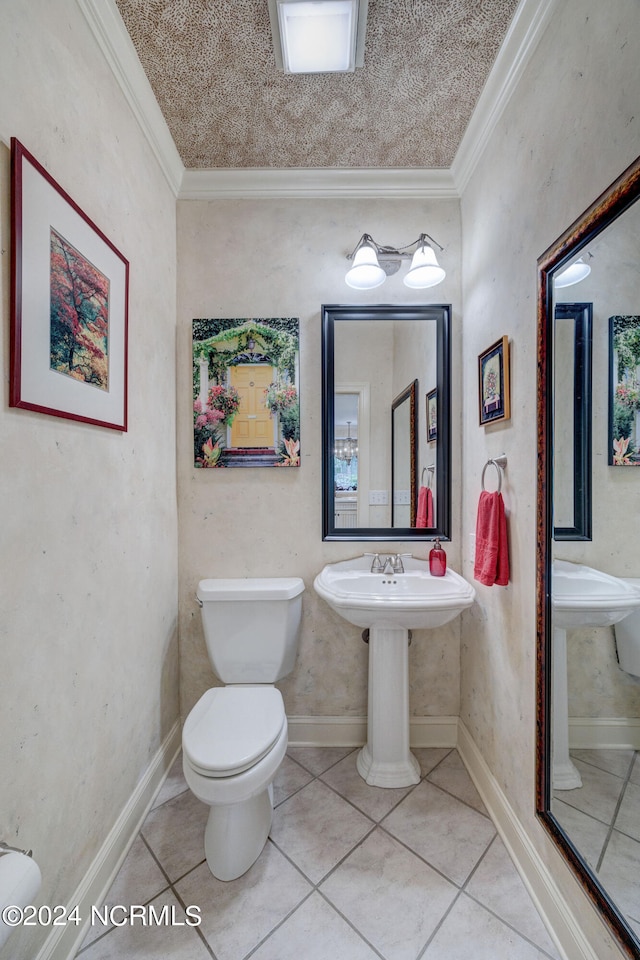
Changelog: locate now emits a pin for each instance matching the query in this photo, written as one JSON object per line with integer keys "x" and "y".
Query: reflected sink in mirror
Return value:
{"x": 409, "y": 600}
{"x": 584, "y": 597}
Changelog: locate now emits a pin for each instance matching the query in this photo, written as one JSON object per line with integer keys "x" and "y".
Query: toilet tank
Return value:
{"x": 627, "y": 633}
{"x": 251, "y": 626}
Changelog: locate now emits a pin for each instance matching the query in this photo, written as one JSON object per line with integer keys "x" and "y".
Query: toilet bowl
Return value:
{"x": 235, "y": 737}
{"x": 627, "y": 634}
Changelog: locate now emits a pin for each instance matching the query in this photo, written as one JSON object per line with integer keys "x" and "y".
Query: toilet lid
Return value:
{"x": 231, "y": 728}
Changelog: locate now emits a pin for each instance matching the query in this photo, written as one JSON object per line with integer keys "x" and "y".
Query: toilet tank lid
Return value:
{"x": 250, "y": 588}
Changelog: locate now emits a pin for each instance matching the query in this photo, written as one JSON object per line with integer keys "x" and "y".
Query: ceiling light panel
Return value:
{"x": 318, "y": 36}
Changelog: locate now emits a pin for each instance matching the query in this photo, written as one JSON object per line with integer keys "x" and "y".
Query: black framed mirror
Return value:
{"x": 572, "y": 421}
{"x": 369, "y": 355}
{"x": 580, "y": 680}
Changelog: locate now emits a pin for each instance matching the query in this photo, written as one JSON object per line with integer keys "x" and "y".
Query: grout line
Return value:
{"x": 204, "y": 940}
{"x": 605, "y": 845}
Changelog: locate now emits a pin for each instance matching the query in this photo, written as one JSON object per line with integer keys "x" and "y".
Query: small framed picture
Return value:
{"x": 493, "y": 382}
{"x": 432, "y": 416}
{"x": 69, "y": 295}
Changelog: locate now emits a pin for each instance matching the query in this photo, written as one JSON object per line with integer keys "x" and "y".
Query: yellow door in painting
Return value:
{"x": 252, "y": 425}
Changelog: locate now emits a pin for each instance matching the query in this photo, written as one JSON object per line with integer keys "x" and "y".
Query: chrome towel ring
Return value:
{"x": 499, "y": 463}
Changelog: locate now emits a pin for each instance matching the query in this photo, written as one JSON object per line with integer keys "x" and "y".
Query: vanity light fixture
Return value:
{"x": 574, "y": 273}
{"x": 318, "y": 36}
{"x": 373, "y": 263}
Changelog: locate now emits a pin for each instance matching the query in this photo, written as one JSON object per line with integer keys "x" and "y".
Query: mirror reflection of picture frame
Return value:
{"x": 432, "y": 415}
{"x": 493, "y": 383}
{"x": 624, "y": 391}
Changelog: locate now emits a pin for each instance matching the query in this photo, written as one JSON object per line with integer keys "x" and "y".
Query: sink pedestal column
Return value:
{"x": 385, "y": 760}
{"x": 565, "y": 774}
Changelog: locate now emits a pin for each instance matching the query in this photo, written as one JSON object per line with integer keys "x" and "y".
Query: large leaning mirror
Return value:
{"x": 386, "y": 422}
{"x": 588, "y": 581}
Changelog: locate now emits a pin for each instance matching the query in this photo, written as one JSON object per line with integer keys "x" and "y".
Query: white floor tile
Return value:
{"x": 288, "y": 780}
{"x": 444, "y": 831}
{"x": 472, "y": 933}
{"x": 237, "y": 915}
{"x": 376, "y": 802}
{"x": 175, "y": 833}
{"x": 497, "y": 885}
{"x": 452, "y": 776}
{"x": 588, "y": 834}
{"x": 620, "y": 875}
{"x": 135, "y": 941}
{"x": 315, "y": 932}
{"x": 598, "y": 795}
{"x": 628, "y": 819}
{"x": 318, "y": 759}
{"x": 613, "y": 761}
{"x": 394, "y": 899}
{"x": 138, "y": 880}
{"x": 316, "y": 829}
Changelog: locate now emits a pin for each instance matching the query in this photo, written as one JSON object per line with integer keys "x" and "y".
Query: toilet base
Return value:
{"x": 235, "y": 835}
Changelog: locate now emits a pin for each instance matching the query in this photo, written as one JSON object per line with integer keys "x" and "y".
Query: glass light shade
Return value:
{"x": 366, "y": 273}
{"x": 424, "y": 270}
{"x": 318, "y": 36}
{"x": 574, "y": 273}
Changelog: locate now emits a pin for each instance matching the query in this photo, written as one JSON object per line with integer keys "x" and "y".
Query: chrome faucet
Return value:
{"x": 391, "y": 564}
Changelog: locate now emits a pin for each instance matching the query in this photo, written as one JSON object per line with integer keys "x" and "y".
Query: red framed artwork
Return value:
{"x": 69, "y": 304}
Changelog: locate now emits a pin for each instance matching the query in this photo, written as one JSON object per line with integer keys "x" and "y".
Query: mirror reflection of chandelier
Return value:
{"x": 347, "y": 447}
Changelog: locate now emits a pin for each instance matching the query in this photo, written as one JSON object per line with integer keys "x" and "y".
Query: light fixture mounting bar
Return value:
{"x": 384, "y": 251}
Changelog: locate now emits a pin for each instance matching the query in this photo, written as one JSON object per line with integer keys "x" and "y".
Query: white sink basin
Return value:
{"x": 410, "y": 600}
{"x": 584, "y": 597}
{"x": 391, "y": 605}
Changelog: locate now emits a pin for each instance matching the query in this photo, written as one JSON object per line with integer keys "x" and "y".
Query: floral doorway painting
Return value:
{"x": 246, "y": 409}
{"x": 624, "y": 391}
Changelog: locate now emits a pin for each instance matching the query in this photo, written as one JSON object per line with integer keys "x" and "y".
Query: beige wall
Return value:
{"x": 571, "y": 128}
{"x": 286, "y": 258}
{"x": 88, "y": 601}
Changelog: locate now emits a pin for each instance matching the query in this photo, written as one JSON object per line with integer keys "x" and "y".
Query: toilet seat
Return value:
{"x": 232, "y": 728}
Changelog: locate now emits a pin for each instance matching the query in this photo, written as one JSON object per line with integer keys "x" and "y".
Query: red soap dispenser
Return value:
{"x": 437, "y": 560}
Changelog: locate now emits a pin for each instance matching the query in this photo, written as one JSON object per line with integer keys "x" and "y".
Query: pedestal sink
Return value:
{"x": 390, "y": 605}
{"x": 581, "y": 597}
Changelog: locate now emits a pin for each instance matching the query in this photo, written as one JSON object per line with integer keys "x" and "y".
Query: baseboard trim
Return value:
{"x": 63, "y": 942}
{"x": 352, "y": 731}
{"x": 562, "y": 925}
{"x": 604, "y": 733}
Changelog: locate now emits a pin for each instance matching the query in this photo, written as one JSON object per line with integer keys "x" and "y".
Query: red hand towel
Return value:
{"x": 492, "y": 552}
{"x": 424, "y": 514}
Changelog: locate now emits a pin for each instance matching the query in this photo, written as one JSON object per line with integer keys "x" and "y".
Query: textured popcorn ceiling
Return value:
{"x": 212, "y": 69}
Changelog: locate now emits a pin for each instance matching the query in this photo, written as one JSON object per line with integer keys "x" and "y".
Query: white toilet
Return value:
{"x": 235, "y": 738}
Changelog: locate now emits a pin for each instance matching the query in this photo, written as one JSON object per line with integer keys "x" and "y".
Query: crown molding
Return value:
{"x": 232, "y": 184}
{"x": 530, "y": 21}
{"x": 107, "y": 26}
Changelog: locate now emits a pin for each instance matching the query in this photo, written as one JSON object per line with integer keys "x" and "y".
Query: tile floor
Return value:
{"x": 602, "y": 817}
{"x": 351, "y": 872}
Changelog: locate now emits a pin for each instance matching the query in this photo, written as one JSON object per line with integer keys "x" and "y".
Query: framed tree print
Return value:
{"x": 69, "y": 296}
